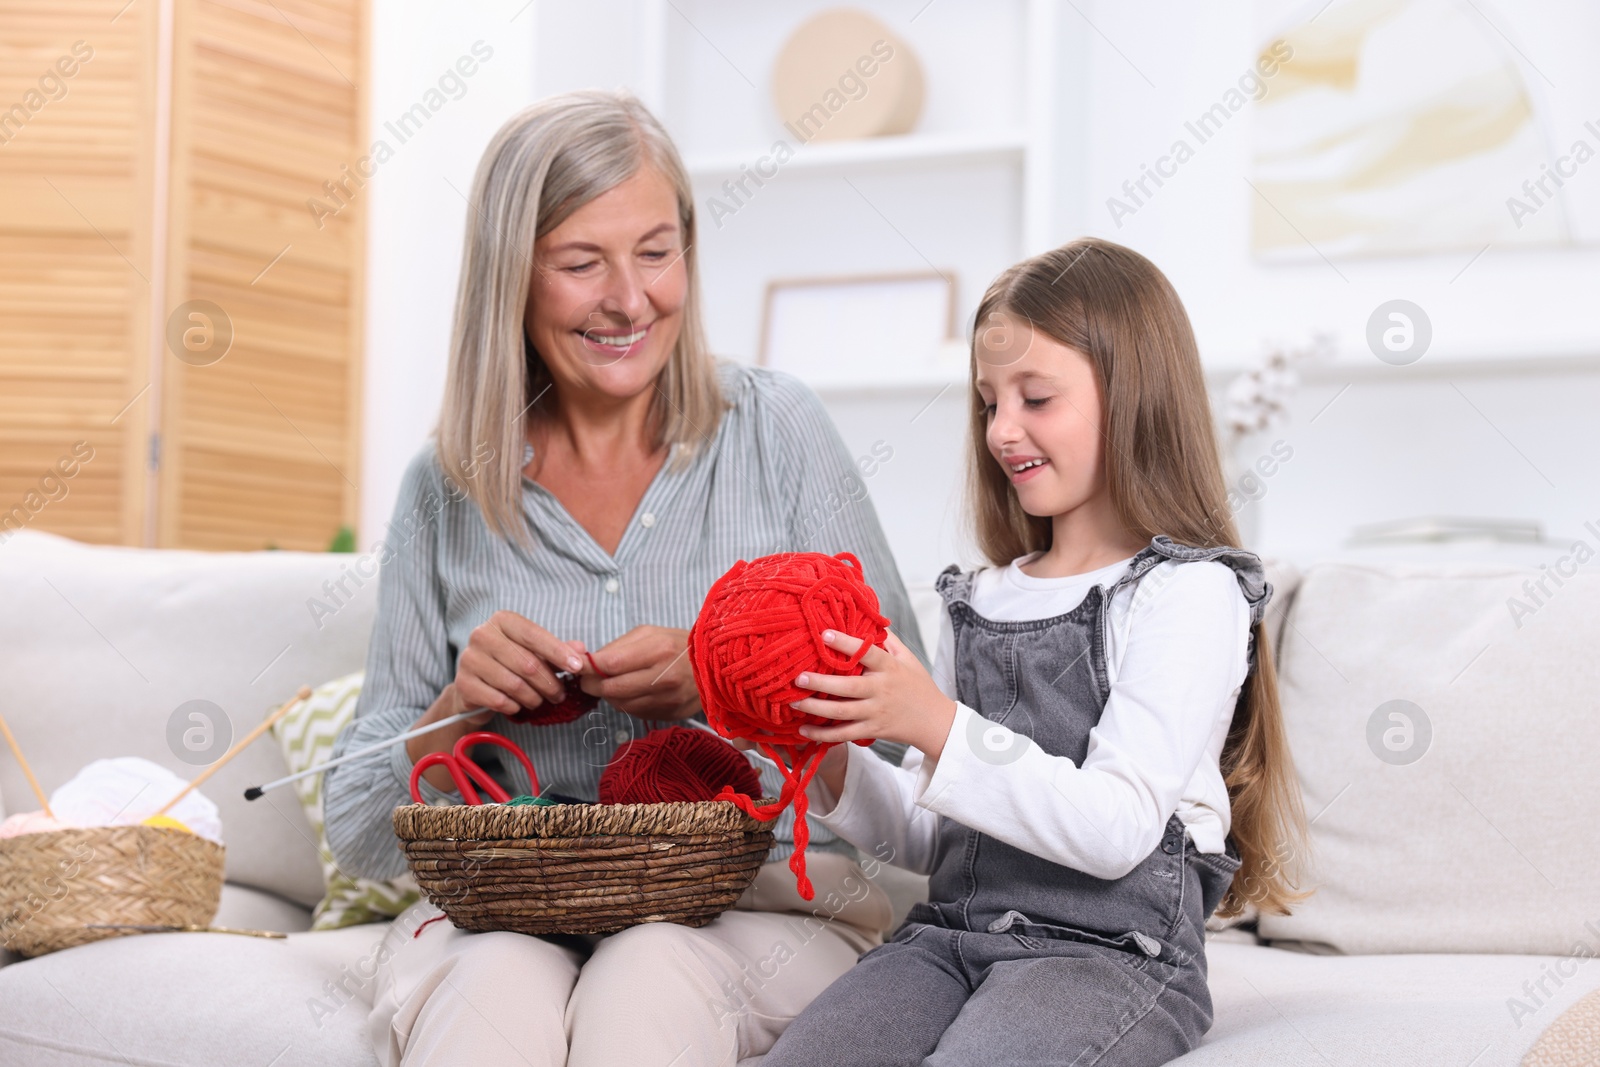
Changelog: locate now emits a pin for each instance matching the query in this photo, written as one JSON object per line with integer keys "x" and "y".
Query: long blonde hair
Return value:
{"x": 547, "y": 161}
{"x": 1164, "y": 477}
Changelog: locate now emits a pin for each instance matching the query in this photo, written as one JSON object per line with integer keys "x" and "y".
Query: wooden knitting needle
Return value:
{"x": 157, "y": 928}
{"x": 266, "y": 724}
{"x": 26, "y": 770}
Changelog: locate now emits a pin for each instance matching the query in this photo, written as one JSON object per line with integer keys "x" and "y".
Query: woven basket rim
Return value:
{"x": 425, "y": 822}
{"x": 85, "y": 832}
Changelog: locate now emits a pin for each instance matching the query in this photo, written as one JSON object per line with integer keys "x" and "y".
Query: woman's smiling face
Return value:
{"x": 606, "y": 301}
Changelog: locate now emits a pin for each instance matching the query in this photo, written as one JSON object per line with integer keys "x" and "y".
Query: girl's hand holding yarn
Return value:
{"x": 760, "y": 625}
{"x": 894, "y": 698}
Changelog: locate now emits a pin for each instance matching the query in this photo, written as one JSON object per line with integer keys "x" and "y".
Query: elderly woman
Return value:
{"x": 595, "y": 471}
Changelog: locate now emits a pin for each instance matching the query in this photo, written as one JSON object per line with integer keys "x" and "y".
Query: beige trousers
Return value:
{"x": 657, "y": 995}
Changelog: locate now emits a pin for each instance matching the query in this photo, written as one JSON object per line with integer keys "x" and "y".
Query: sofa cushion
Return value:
{"x": 202, "y": 1000}
{"x": 1444, "y": 728}
{"x": 1275, "y": 1007}
{"x": 244, "y": 908}
{"x": 109, "y": 642}
{"x": 1284, "y": 577}
{"x": 306, "y": 735}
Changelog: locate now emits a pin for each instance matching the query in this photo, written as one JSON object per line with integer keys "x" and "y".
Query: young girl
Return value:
{"x": 1101, "y": 760}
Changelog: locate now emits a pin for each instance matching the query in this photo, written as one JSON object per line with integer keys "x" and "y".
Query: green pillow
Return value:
{"x": 306, "y": 734}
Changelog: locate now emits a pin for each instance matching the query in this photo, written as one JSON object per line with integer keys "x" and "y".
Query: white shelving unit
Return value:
{"x": 878, "y": 153}
{"x": 981, "y": 182}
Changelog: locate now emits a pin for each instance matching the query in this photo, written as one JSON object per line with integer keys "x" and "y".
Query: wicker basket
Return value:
{"x": 582, "y": 868}
{"x": 54, "y": 885}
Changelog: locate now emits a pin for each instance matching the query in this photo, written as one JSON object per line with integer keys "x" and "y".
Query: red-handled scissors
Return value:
{"x": 464, "y": 772}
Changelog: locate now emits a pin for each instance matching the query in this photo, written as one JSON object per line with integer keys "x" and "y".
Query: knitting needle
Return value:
{"x": 255, "y": 791}
{"x": 26, "y": 770}
{"x": 244, "y": 742}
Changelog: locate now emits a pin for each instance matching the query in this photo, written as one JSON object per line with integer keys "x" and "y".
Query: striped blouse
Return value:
{"x": 776, "y": 478}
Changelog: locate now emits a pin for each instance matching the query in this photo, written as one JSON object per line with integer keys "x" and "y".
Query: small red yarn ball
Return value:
{"x": 761, "y": 626}
{"x": 675, "y": 764}
{"x": 575, "y": 701}
{"x": 573, "y": 705}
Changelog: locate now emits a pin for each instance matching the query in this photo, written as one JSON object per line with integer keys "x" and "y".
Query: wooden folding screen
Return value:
{"x": 180, "y": 332}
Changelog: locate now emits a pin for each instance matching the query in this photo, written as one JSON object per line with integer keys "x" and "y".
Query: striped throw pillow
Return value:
{"x": 306, "y": 735}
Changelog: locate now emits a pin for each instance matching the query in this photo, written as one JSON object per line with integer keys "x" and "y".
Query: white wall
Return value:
{"x": 1495, "y": 421}
{"x": 1507, "y": 303}
{"x": 416, "y": 218}
{"x": 1496, "y": 418}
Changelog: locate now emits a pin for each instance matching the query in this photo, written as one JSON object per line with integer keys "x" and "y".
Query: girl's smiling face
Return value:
{"x": 1043, "y": 415}
{"x": 606, "y": 301}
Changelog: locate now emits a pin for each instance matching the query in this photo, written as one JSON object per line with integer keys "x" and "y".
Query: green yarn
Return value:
{"x": 526, "y": 801}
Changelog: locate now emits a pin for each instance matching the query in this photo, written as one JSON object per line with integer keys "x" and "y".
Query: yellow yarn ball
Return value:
{"x": 166, "y": 822}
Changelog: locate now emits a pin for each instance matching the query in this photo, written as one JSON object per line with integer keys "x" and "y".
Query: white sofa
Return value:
{"x": 1452, "y": 888}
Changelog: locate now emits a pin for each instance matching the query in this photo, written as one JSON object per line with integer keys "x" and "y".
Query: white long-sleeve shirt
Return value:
{"x": 1176, "y": 651}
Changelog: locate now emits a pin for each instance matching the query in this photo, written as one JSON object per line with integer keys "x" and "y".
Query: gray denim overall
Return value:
{"x": 1014, "y": 959}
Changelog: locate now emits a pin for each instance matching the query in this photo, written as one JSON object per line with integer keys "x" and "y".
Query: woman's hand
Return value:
{"x": 509, "y": 664}
{"x": 894, "y": 698}
{"x": 646, "y": 674}
{"x": 506, "y": 667}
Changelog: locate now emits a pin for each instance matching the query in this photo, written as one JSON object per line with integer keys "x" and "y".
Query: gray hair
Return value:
{"x": 546, "y": 162}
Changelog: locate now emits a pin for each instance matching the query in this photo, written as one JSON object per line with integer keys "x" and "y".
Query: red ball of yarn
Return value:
{"x": 673, "y": 764}
{"x": 760, "y": 627}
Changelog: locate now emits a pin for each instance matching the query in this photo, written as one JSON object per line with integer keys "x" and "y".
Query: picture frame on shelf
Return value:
{"x": 861, "y": 329}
